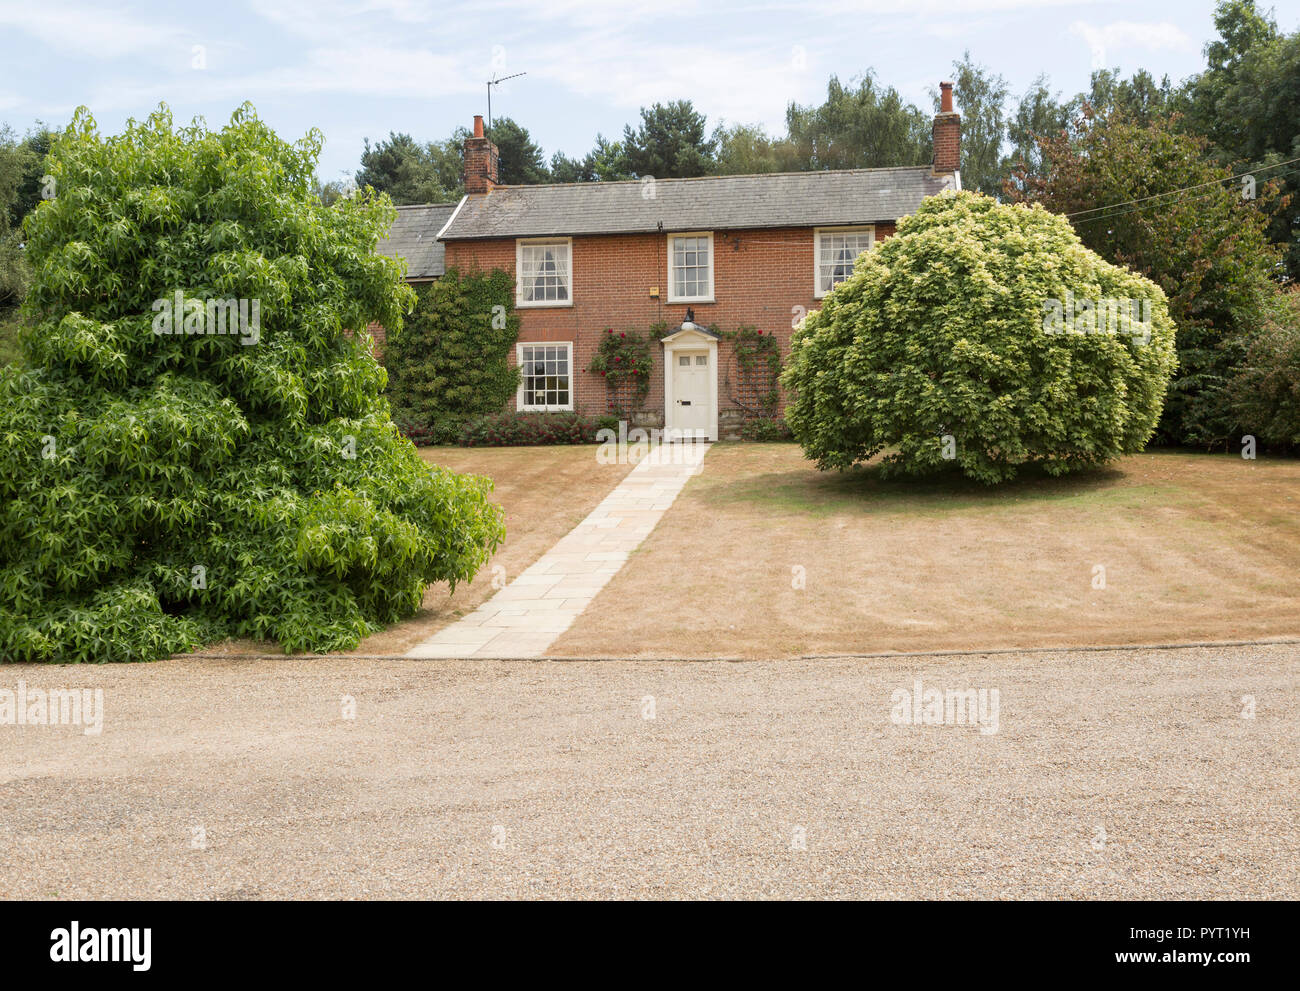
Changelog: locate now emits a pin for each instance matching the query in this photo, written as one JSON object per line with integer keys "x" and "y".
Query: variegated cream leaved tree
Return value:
{"x": 197, "y": 446}
{"x": 981, "y": 337}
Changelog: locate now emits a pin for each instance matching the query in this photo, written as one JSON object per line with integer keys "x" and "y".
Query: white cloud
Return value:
{"x": 368, "y": 71}
{"x": 372, "y": 72}
{"x": 94, "y": 32}
{"x": 1132, "y": 35}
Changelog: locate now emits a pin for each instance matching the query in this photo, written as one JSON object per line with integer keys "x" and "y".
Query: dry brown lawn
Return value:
{"x": 546, "y": 492}
{"x": 1194, "y": 547}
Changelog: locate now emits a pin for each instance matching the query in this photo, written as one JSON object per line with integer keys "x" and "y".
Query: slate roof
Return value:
{"x": 414, "y": 236}
{"x": 788, "y": 199}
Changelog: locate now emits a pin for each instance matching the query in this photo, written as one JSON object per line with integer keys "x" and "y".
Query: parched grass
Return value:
{"x": 1193, "y": 546}
{"x": 861, "y": 490}
{"x": 546, "y": 492}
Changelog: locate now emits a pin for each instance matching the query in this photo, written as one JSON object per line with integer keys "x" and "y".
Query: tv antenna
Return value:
{"x": 494, "y": 81}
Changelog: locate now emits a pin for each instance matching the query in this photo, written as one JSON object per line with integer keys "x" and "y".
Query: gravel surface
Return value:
{"x": 1125, "y": 774}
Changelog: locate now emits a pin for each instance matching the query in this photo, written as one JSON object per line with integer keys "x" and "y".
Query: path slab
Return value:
{"x": 528, "y": 615}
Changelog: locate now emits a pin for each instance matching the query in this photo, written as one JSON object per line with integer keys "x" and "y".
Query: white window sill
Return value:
{"x": 523, "y": 305}
{"x": 701, "y": 299}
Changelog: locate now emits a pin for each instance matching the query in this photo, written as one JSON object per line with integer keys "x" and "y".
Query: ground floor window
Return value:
{"x": 545, "y": 381}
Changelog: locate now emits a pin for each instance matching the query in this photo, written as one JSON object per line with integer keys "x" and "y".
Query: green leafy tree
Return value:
{"x": 1139, "y": 98}
{"x": 566, "y": 169}
{"x": 451, "y": 362}
{"x": 1248, "y": 103}
{"x": 1242, "y": 30}
{"x": 745, "y": 149}
{"x": 606, "y": 162}
{"x": 16, "y": 162}
{"x": 174, "y": 475}
{"x": 941, "y": 348}
{"x": 859, "y": 127}
{"x": 1265, "y": 389}
{"x": 520, "y": 161}
{"x": 413, "y": 173}
{"x": 21, "y": 163}
{"x": 1151, "y": 198}
{"x": 669, "y": 143}
{"x": 37, "y": 143}
{"x": 1039, "y": 113}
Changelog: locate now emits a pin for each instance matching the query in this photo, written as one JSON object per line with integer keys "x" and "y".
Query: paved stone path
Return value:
{"x": 526, "y": 617}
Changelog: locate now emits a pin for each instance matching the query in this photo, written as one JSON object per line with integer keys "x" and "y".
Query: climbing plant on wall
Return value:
{"x": 623, "y": 359}
{"x": 754, "y": 383}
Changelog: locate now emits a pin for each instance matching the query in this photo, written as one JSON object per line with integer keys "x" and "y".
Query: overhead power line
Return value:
{"x": 1171, "y": 192}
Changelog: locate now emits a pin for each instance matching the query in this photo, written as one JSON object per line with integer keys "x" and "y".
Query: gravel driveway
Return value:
{"x": 1127, "y": 774}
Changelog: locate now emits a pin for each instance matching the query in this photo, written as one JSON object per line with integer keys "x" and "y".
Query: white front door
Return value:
{"x": 691, "y": 406}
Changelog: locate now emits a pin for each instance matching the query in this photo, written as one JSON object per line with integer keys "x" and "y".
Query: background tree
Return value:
{"x": 669, "y": 143}
{"x": 859, "y": 127}
{"x": 566, "y": 169}
{"x": 330, "y": 193}
{"x": 606, "y": 162}
{"x": 1242, "y": 30}
{"x": 30, "y": 152}
{"x": 1039, "y": 113}
{"x": 15, "y": 163}
{"x": 521, "y": 162}
{"x": 410, "y": 172}
{"x": 980, "y": 98}
{"x": 1248, "y": 103}
{"x": 1206, "y": 247}
{"x": 1139, "y": 98}
{"x": 1265, "y": 389}
{"x": 22, "y": 163}
{"x": 746, "y": 149}
{"x": 162, "y": 490}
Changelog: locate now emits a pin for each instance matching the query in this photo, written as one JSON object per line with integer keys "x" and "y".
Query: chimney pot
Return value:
{"x": 478, "y": 124}
{"x": 945, "y": 98}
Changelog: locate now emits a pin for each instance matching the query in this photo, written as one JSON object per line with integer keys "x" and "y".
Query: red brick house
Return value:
{"x": 727, "y": 251}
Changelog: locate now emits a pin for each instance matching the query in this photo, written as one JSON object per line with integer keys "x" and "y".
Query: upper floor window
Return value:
{"x": 542, "y": 272}
{"x": 690, "y": 268}
{"x": 837, "y": 249}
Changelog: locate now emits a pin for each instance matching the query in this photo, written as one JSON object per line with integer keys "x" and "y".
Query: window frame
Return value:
{"x": 520, "y": 243}
{"x": 869, "y": 229}
{"x": 672, "y": 296}
{"x": 520, "y": 390}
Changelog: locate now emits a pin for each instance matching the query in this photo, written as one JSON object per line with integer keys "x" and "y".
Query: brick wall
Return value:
{"x": 760, "y": 277}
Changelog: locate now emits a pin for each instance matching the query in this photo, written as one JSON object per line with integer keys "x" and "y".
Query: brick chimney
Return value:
{"x": 481, "y": 160}
{"x": 947, "y": 134}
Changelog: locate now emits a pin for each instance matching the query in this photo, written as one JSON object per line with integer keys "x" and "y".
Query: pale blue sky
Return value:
{"x": 357, "y": 68}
